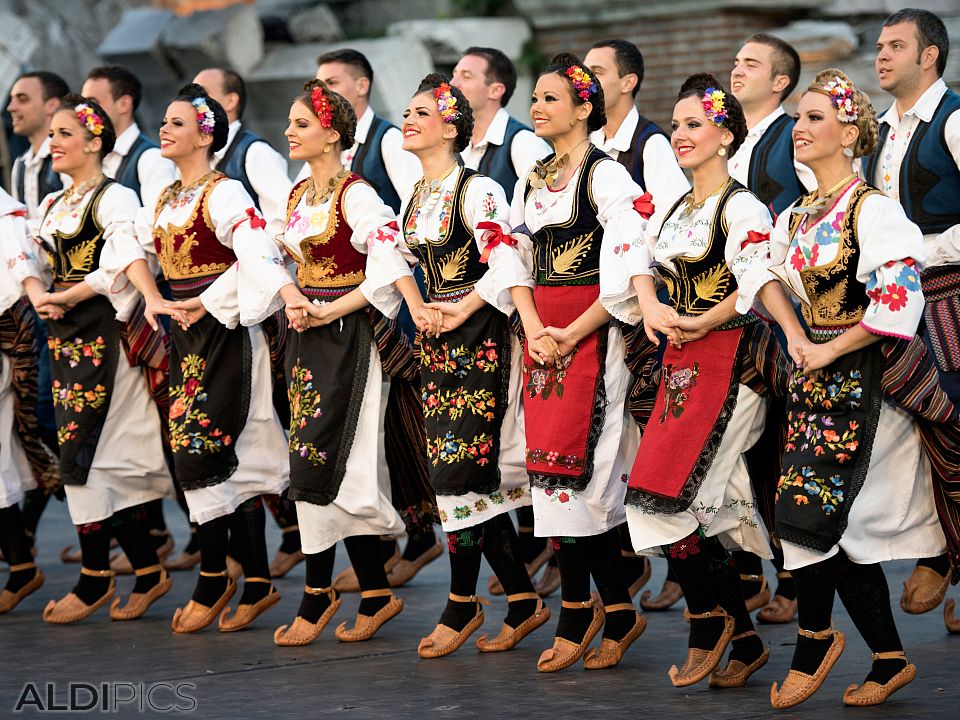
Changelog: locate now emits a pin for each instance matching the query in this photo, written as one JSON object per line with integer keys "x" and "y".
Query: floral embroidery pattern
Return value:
{"x": 828, "y": 233}
{"x": 76, "y": 398}
{"x": 687, "y": 547}
{"x": 548, "y": 380}
{"x": 410, "y": 229}
{"x": 560, "y": 496}
{"x": 489, "y": 207}
{"x": 304, "y": 406}
{"x": 460, "y": 360}
{"x": 76, "y": 350}
{"x": 551, "y": 458}
{"x": 483, "y": 503}
{"x": 456, "y": 402}
{"x": 829, "y": 492}
{"x": 450, "y": 449}
{"x": 415, "y": 516}
{"x": 67, "y": 433}
{"x": 677, "y": 383}
{"x": 186, "y": 400}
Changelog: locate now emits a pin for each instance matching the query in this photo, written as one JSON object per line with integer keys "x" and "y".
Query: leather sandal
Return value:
{"x": 348, "y": 582}
{"x": 70, "y": 608}
{"x": 952, "y": 623}
{"x": 779, "y": 610}
{"x": 195, "y": 617}
{"x": 284, "y": 562}
{"x": 611, "y": 652}
{"x": 246, "y": 612}
{"x": 444, "y": 639}
{"x": 637, "y": 585}
{"x": 510, "y": 637}
{"x": 761, "y": 597}
{"x": 923, "y": 591}
{"x": 493, "y": 584}
{"x": 366, "y": 626}
{"x": 798, "y": 686}
{"x": 565, "y": 653}
{"x": 9, "y": 599}
{"x": 736, "y": 673}
{"x": 700, "y": 662}
{"x": 670, "y": 594}
{"x": 139, "y": 603}
{"x": 303, "y": 632}
{"x": 403, "y": 571}
{"x": 873, "y": 693}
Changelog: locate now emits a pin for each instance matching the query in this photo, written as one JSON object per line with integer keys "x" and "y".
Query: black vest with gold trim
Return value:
{"x": 78, "y": 254}
{"x": 451, "y": 263}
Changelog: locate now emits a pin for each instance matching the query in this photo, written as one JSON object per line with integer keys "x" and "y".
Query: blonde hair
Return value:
{"x": 866, "y": 121}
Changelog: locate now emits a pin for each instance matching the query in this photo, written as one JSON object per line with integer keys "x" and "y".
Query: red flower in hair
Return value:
{"x": 321, "y": 106}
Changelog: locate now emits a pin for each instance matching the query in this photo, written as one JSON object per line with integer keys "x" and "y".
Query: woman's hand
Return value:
{"x": 543, "y": 350}
{"x": 452, "y": 314}
{"x": 818, "y": 356}
{"x": 687, "y": 329}
{"x": 428, "y": 320}
{"x": 156, "y": 305}
{"x": 191, "y": 311}
{"x": 563, "y": 338}
{"x": 297, "y": 310}
{"x": 53, "y": 306}
{"x": 796, "y": 347}
{"x": 658, "y": 317}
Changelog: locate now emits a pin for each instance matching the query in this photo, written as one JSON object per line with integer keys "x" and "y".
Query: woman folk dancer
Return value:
{"x": 455, "y": 226}
{"x": 336, "y": 379}
{"x": 25, "y": 463}
{"x": 228, "y": 445}
{"x": 866, "y": 418}
{"x": 709, "y": 249}
{"x": 111, "y": 454}
{"x": 571, "y": 208}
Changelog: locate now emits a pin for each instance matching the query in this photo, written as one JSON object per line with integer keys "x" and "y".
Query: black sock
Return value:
{"x": 634, "y": 566}
{"x": 785, "y": 585}
{"x": 466, "y": 549}
{"x": 939, "y": 564}
{"x": 690, "y": 562}
{"x": 34, "y": 502}
{"x": 606, "y": 566}
{"x": 193, "y": 545}
{"x": 573, "y": 557}
{"x": 319, "y": 575}
{"x": 16, "y": 547}
{"x": 130, "y": 527}
{"x": 418, "y": 544}
{"x": 386, "y": 549}
{"x": 95, "y": 553}
{"x": 530, "y": 545}
{"x": 726, "y": 579}
{"x": 816, "y": 587}
{"x": 290, "y": 540}
{"x": 212, "y": 537}
{"x": 501, "y": 548}
{"x": 364, "y": 552}
{"x": 154, "y": 514}
{"x": 248, "y": 526}
{"x": 284, "y": 513}
{"x": 749, "y": 564}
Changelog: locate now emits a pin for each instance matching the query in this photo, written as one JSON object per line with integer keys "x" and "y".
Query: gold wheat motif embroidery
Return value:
{"x": 177, "y": 263}
{"x": 567, "y": 258}
{"x": 81, "y": 257}
{"x": 711, "y": 286}
{"x": 454, "y": 265}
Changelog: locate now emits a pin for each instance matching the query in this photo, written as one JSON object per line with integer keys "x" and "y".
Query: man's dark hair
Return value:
{"x": 351, "y": 57}
{"x": 53, "y": 85}
{"x": 122, "y": 82}
{"x": 629, "y": 59}
{"x": 930, "y": 30}
{"x": 233, "y": 83}
{"x": 785, "y": 59}
{"x": 499, "y": 69}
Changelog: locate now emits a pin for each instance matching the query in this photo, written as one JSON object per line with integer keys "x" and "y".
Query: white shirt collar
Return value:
{"x": 497, "y": 129}
{"x": 32, "y": 158}
{"x": 126, "y": 139}
{"x": 622, "y": 138}
{"x": 924, "y": 108}
{"x": 761, "y": 127}
{"x": 363, "y": 126}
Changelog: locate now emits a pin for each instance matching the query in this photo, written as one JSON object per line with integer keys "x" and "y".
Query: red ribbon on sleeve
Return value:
{"x": 754, "y": 237}
{"x": 19, "y": 213}
{"x": 256, "y": 222}
{"x": 493, "y": 236}
{"x": 644, "y": 205}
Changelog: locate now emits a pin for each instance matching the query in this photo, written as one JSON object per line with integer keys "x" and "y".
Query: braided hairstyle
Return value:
{"x": 866, "y": 121}
{"x": 342, "y": 114}
{"x": 697, "y": 86}
{"x": 221, "y": 125}
{"x": 559, "y": 65}
{"x": 464, "y": 121}
{"x": 108, "y": 136}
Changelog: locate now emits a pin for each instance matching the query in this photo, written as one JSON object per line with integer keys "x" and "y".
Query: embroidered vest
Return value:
{"x": 772, "y": 176}
{"x": 569, "y": 253}
{"x": 127, "y": 173}
{"x": 696, "y": 284}
{"x": 192, "y": 251}
{"x": 497, "y": 162}
{"x": 233, "y": 164}
{"x": 78, "y": 254}
{"x": 329, "y": 258}
{"x": 632, "y": 159}
{"x": 48, "y": 181}
{"x": 368, "y": 163}
{"x": 451, "y": 263}
{"x": 834, "y": 295}
{"x": 929, "y": 177}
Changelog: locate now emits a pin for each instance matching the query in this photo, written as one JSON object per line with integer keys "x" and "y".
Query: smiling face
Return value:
{"x": 752, "y": 79}
{"x": 68, "y": 138}
{"x": 180, "y": 134}
{"x": 552, "y": 108}
{"x": 306, "y": 137}
{"x": 423, "y": 128}
{"x": 818, "y": 135}
{"x": 898, "y": 63}
{"x": 695, "y": 139}
{"x": 27, "y": 108}
{"x": 470, "y": 75}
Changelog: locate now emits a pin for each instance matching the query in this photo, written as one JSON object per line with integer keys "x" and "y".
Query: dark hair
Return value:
{"x": 342, "y": 113}
{"x": 628, "y": 57}
{"x": 785, "y": 59}
{"x": 108, "y": 137}
{"x": 464, "y": 123}
{"x": 558, "y": 66}
{"x": 736, "y": 123}
{"x": 930, "y": 31}
{"x": 233, "y": 83}
{"x": 499, "y": 69}
{"x": 351, "y": 57}
{"x": 189, "y": 93}
{"x": 122, "y": 82}
{"x": 53, "y": 85}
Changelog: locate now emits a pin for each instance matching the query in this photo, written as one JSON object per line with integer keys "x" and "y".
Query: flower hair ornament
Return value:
{"x": 581, "y": 81}
{"x": 446, "y": 103}
{"x": 89, "y": 119}
{"x": 714, "y": 107}
{"x": 321, "y": 106}
{"x": 205, "y": 117}
{"x": 840, "y": 93}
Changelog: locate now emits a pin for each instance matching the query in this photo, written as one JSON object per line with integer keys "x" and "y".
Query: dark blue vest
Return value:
{"x": 234, "y": 162}
{"x": 632, "y": 159}
{"x": 48, "y": 182}
{"x": 929, "y": 177}
{"x": 127, "y": 173}
{"x": 368, "y": 163}
{"x": 772, "y": 176}
{"x": 497, "y": 163}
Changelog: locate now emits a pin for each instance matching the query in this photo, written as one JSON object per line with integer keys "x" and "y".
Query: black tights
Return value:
{"x": 15, "y": 544}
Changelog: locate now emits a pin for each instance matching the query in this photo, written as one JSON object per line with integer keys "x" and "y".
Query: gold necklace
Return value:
{"x": 74, "y": 194}
{"x": 428, "y": 194}
{"x": 819, "y": 202}
{"x": 548, "y": 172}
{"x": 691, "y": 206}
{"x": 313, "y": 199}
{"x": 178, "y": 188}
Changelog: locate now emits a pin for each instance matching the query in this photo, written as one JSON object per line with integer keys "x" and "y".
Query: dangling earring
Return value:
{"x": 722, "y": 151}
{"x": 848, "y": 152}
{"x": 326, "y": 149}
{"x": 573, "y": 123}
